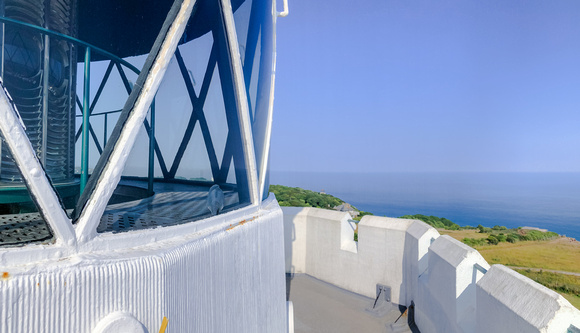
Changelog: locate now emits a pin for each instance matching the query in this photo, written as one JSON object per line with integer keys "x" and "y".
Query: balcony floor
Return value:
{"x": 322, "y": 307}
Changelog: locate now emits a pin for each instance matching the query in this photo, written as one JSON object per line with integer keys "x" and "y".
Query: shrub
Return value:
{"x": 474, "y": 241}
{"x": 501, "y": 237}
{"x": 512, "y": 238}
{"x": 361, "y": 214}
{"x": 491, "y": 239}
{"x": 535, "y": 235}
{"x": 297, "y": 197}
{"x": 434, "y": 221}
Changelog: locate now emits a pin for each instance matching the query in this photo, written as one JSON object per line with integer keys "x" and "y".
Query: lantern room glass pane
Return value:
{"x": 198, "y": 142}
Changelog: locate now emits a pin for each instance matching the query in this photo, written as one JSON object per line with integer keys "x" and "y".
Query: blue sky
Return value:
{"x": 380, "y": 86}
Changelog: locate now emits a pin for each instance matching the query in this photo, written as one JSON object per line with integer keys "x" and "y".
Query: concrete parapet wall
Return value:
{"x": 446, "y": 297}
{"x": 510, "y": 302}
{"x": 418, "y": 239}
{"x": 320, "y": 243}
{"x": 445, "y": 278}
{"x": 381, "y": 252}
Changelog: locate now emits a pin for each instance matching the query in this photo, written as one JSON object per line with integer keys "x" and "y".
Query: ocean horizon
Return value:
{"x": 512, "y": 199}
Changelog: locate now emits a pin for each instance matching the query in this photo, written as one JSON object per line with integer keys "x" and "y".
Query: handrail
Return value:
{"x": 480, "y": 268}
{"x": 72, "y": 40}
{"x": 100, "y": 113}
{"x": 86, "y": 121}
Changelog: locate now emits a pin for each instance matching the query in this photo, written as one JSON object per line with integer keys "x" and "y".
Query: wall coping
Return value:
{"x": 390, "y": 223}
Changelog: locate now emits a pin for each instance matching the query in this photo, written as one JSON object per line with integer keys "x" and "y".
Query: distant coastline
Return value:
{"x": 299, "y": 197}
{"x": 542, "y": 255}
{"x": 541, "y": 200}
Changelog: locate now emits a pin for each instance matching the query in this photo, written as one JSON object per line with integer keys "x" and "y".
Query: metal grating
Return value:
{"x": 23, "y": 229}
{"x": 160, "y": 210}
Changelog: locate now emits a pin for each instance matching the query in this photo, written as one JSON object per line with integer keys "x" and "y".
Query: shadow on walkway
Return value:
{"x": 322, "y": 307}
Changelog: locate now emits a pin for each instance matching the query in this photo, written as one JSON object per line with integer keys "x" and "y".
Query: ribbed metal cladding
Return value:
{"x": 40, "y": 75}
{"x": 229, "y": 279}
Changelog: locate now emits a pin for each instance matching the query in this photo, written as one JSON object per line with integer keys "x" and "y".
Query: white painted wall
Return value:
{"x": 295, "y": 219}
{"x": 225, "y": 278}
{"x": 446, "y": 293}
{"x": 510, "y": 302}
{"x": 437, "y": 272}
{"x": 417, "y": 242}
{"x": 381, "y": 254}
{"x": 318, "y": 243}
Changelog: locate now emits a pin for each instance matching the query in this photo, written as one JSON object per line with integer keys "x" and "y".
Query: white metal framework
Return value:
{"x": 80, "y": 231}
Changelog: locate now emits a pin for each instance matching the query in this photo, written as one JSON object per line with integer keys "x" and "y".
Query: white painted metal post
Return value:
{"x": 241, "y": 100}
{"x": 268, "y": 134}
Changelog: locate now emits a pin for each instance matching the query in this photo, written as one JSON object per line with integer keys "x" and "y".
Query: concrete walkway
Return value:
{"x": 322, "y": 307}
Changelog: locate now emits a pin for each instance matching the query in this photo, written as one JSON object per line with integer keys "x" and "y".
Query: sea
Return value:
{"x": 543, "y": 200}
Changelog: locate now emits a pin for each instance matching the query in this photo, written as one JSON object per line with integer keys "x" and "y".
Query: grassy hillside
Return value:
{"x": 298, "y": 197}
{"x": 434, "y": 221}
{"x": 557, "y": 254}
{"x": 560, "y": 254}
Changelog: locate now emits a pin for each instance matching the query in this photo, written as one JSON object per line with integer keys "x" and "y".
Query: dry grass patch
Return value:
{"x": 574, "y": 300}
{"x": 558, "y": 254}
{"x": 566, "y": 285}
{"x": 562, "y": 254}
{"x": 461, "y": 234}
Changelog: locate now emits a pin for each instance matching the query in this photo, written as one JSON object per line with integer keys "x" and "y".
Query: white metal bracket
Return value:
{"x": 284, "y": 13}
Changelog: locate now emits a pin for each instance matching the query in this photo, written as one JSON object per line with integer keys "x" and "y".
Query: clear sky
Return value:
{"x": 398, "y": 85}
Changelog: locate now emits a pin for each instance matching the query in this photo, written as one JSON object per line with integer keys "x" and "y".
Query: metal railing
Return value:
{"x": 479, "y": 268}
{"x": 87, "y": 105}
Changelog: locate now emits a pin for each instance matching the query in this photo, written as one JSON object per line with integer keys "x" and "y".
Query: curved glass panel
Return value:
{"x": 39, "y": 73}
{"x": 197, "y": 140}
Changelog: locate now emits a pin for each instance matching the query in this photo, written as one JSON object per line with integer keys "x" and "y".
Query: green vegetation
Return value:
{"x": 558, "y": 254}
{"x": 574, "y": 300}
{"x": 297, "y": 197}
{"x": 499, "y": 234}
{"x": 361, "y": 214}
{"x": 473, "y": 242}
{"x": 529, "y": 248}
{"x": 564, "y": 283}
{"x": 434, "y": 221}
